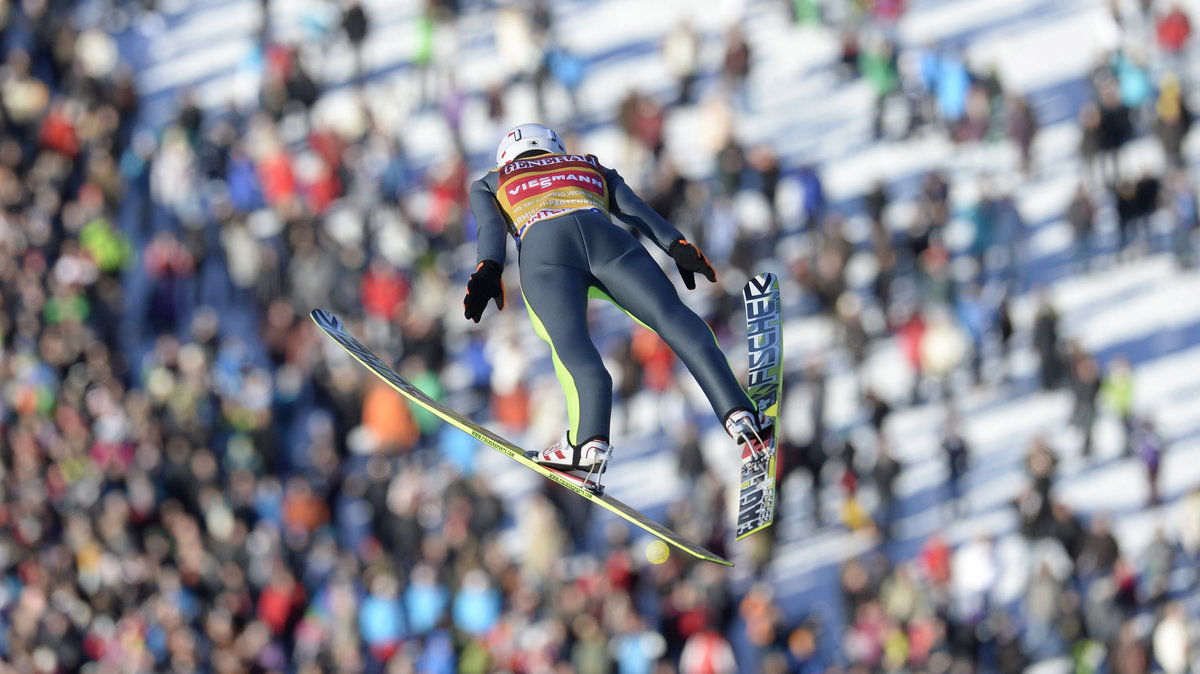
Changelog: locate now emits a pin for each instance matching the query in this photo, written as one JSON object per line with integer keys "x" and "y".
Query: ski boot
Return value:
{"x": 590, "y": 458}
{"x": 752, "y": 429}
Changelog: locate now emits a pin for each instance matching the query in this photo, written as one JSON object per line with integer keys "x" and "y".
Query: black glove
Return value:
{"x": 691, "y": 261}
{"x": 485, "y": 284}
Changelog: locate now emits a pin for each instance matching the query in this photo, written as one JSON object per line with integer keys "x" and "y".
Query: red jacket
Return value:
{"x": 1173, "y": 30}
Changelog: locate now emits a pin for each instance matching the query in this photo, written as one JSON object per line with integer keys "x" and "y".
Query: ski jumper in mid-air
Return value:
{"x": 559, "y": 208}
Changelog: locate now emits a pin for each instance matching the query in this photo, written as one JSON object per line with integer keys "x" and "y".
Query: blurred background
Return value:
{"x": 983, "y": 213}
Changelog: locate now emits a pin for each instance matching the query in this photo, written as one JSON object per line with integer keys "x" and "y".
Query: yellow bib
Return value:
{"x": 547, "y": 186}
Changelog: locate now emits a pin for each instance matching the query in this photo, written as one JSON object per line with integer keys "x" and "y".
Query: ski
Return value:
{"x": 333, "y": 327}
{"x": 764, "y": 336}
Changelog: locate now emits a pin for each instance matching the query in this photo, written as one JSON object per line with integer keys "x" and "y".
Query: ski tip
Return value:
{"x": 760, "y": 284}
{"x": 326, "y": 319}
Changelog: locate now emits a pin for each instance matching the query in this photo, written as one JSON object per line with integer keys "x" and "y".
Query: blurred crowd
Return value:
{"x": 194, "y": 480}
{"x": 1064, "y": 589}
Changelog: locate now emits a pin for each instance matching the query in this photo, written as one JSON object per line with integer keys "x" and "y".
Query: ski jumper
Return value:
{"x": 559, "y": 208}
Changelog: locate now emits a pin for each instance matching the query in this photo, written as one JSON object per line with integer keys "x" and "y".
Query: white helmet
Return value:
{"x": 525, "y": 137}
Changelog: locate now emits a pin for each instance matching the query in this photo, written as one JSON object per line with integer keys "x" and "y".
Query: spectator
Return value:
{"x": 736, "y": 66}
{"x": 1034, "y": 506}
{"x": 884, "y": 473}
{"x": 1085, "y": 384}
{"x": 812, "y": 454}
{"x": 681, "y": 51}
{"x": 1148, "y": 446}
{"x": 1155, "y": 573}
{"x": 1173, "y": 31}
{"x": 878, "y": 409}
{"x": 1100, "y": 550}
{"x": 1114, "y": 130}
{"x": 567, "y": 69}
{"x": 1022, "y": 130}
{"x": 1081, "y": 215}
{"x": 910, "y": 333}
{"x": 1172, "y": 120}
{"x": 973, "y": 125}
{"x": 425, "y": 599}
{"x": 1147, "y": 196}
{"x": 951, "y": 85}
{"x": 1133, "y": 82}
{"x": 381, "y": 618}
{"x": 357, "y": 26}
{"x": 1125, "y": 198}
{"x": 1004, "y": 327}
{"x": 876, "y": 201}
{"x": 812, "y": 194}
{"x": 424, "y": 51}
{"x": 707, "y": 651}
{"x": 1171, "y": 640}
{"x": 976, "y": 314}
{"x": 849, "y": 60}
{"x": 384, "y": 291}
{"x": 957, "y": 455}
{"x": 1117, "y": 394}
{"x": 1189, "y": 530}
{"x": 1127, "y": 654}
{"x": 477, "y": 604}
{"x": 1091, "y": 151}
{"x": 878, "y": 64}
{"x": 1045, "y": 342}
{"x": 1182, "y": 203}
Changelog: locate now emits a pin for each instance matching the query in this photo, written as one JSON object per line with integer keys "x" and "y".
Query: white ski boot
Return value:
{"x": 750, "y": 428}
{"x": 590, "y": 458}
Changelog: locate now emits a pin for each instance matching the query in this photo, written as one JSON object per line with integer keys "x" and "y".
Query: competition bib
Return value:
{"x": 543, "y": 187}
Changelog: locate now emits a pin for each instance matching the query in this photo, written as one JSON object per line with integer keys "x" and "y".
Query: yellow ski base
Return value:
{"x": 333, "y": 327}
